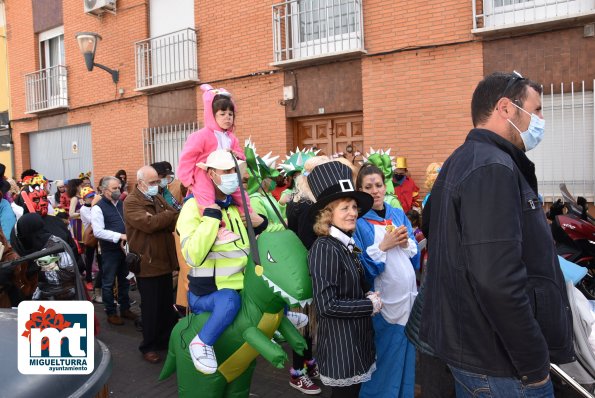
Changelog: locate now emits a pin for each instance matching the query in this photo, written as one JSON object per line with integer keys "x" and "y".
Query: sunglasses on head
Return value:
{"x": 513, "y": 80}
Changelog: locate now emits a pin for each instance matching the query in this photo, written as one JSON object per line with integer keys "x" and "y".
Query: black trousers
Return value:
{"x": 434, "y": 377}
{"x": 89, "y": 256}
{"x": 157, "y": 311}
{"x": 298, "y": 360}
{"x": 346, "y": 392}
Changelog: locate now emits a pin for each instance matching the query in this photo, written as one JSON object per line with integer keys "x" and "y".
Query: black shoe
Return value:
{"x": 138, "y": 324}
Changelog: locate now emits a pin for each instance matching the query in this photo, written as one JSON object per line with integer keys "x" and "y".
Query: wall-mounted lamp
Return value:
{"x": 87, "y": 42}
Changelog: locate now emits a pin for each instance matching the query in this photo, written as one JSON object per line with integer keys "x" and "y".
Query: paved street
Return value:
{"x": 134, "y": 377}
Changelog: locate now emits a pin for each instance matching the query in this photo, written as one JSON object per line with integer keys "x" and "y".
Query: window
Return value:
{"x": 312, "y": 28}
{"x": 502, "y": 13}
{"x": 52, "y": 62}
{"x": 321, "y": 19}
{"x": 567, "y": 151}
{"x": 51, "y": 48}
{"x": 325, "y": 26}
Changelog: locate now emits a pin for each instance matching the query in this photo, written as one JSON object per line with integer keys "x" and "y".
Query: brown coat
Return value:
{"x": 149, "y": 227}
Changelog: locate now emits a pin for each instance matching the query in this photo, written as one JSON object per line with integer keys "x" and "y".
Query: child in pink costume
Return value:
{"x": 206, "y": 140}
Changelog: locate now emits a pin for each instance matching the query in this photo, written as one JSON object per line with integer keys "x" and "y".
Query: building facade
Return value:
{"x": 340, "y": 75}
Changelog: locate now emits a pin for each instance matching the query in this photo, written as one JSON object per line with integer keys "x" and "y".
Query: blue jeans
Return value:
{"x": 223, "y": 305}
{"x": 114, "y": 267}
{"x": 475, "y": 385}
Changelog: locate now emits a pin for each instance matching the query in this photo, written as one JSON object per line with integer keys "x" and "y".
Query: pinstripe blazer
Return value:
{"x": 346, "y": 353}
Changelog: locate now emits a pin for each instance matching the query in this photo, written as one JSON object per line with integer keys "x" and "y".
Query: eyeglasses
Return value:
{"x": 512, "y": 81}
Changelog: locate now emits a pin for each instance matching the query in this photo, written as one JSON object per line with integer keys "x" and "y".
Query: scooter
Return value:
{"x": 574, "y": 233}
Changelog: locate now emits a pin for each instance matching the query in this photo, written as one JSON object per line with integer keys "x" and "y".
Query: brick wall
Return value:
{"x": 418, "y": 102}
{"x": 556, "y": 57}
{"x": 234, "y": 37}
{"x": 258, "y": 112}
{"x": 391, "y": 25}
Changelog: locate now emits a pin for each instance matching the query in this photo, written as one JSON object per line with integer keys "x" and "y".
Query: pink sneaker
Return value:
{"x": 304, "y": 385}
{"x": 225, "y": 236}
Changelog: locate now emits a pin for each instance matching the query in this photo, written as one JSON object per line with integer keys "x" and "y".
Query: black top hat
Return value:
{"x": 331, "y": 181}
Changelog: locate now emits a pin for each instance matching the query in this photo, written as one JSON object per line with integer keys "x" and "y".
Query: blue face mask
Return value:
{"x": 534, "y": 134}
{"x": 152, "y": 190}
{"x": 229, "y": 183}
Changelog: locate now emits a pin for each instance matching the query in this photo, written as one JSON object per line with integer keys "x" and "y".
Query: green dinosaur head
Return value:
{"x": 294, "y": 162}
{"x": 259, "y": 168}
{"x": 282, "y": 278}
{"x": 384, "y": 162}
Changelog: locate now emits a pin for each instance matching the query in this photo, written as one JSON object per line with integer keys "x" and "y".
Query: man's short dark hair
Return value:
{"x": 495, "y": 86}
{"x": 28, "y": 173}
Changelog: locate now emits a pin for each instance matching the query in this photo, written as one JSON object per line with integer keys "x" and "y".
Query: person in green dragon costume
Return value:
{"x": 280, "y": 280}
{"x": 261, "y": 174}
{"x": 385, "y": 162}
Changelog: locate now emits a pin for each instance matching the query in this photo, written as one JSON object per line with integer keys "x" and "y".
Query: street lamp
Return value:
{"x": 87, "y": 42}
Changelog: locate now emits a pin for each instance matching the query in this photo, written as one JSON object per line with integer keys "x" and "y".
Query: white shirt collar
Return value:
{"x": 342, "y": 237}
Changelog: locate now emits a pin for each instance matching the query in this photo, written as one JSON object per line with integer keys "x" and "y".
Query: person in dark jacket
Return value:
{"x": 344, "y": 303}
{"x": 496, "y": 308}
{"x": 304, "y": 368}
{"x": 107, "y": 219}
{"x": 150, "y": 221}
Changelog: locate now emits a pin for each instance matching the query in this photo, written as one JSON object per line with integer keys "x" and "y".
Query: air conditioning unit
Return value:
{"x": 98, "y": 7}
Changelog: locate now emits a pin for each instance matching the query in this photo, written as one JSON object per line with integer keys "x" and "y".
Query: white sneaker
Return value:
{"x": 203, "y": 356}
{"x": 298, "y": 319}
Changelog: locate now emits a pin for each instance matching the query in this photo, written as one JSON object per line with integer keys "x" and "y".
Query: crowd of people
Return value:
{"x": 487, "y": 269}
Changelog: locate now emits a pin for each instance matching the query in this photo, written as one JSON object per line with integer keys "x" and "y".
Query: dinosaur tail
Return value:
{"x": 169, "y": 367}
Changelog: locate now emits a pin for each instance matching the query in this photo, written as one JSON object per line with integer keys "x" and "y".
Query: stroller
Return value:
{"x": 58, "y": 277}
{"x": 576, "y": 379}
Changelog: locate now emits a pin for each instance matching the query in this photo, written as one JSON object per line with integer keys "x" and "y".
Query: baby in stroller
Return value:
{"x": 57, "y": 272}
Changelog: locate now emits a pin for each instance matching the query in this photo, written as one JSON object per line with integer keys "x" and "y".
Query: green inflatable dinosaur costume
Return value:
{"x": 282, "y": 279}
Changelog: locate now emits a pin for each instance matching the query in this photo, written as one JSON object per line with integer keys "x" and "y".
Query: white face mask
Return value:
{"x": 229, "y": 183}
{"x": 534, "y": 133}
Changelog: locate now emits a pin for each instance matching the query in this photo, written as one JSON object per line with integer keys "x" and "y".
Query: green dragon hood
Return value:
{"x": 283, "y": 277}
{"x": 259, "y": 168}
{"x": 385, "y": 162}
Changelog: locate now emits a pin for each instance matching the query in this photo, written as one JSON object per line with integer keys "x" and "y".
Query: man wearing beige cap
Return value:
{"x": 216, "y": 266}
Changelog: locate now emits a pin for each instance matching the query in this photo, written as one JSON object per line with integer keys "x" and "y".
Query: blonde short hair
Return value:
{"x": 302, "y": 189}
{"x": 324, "y": 218}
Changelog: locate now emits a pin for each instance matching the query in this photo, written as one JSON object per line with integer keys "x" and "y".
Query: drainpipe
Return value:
{"x": 11, "y": 143}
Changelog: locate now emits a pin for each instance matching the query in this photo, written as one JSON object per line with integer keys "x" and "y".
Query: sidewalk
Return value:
{"x": 133, "y": 377}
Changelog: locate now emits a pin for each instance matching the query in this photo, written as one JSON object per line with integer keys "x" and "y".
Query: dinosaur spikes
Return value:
{"x": 269, "y": 160}
{"x": 250, "y": 144}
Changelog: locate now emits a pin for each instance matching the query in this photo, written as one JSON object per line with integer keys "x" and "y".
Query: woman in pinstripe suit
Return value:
{"x": 344, "y": 305}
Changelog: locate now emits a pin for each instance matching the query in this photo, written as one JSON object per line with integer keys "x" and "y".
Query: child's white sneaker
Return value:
{"x": 298, "y": 319}
{"x": 203, "y": 356}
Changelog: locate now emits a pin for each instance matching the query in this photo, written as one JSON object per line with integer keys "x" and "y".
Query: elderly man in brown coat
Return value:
{"x": 150, "y": 222}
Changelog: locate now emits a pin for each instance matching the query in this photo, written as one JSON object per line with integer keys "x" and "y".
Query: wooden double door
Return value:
{"x": 332, "y": 134}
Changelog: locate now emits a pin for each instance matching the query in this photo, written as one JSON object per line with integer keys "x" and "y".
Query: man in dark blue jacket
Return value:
{"x": 107, "y": 217}
{"x": 496, "y": 308}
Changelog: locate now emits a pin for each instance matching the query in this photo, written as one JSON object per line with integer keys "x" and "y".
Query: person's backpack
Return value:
{"x": 89, "y": 238}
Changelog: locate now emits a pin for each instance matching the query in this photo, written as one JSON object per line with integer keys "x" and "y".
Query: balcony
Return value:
{"x": 46, "y": 89}
{"x": 306, "y": 30}
{"x": 497, "y": 15}
{"x": 166, "y": 61}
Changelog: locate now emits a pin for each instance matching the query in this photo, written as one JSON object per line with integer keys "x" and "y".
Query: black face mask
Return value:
{"x": 399, "y": 177}
{"x": 88, "y": 204}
